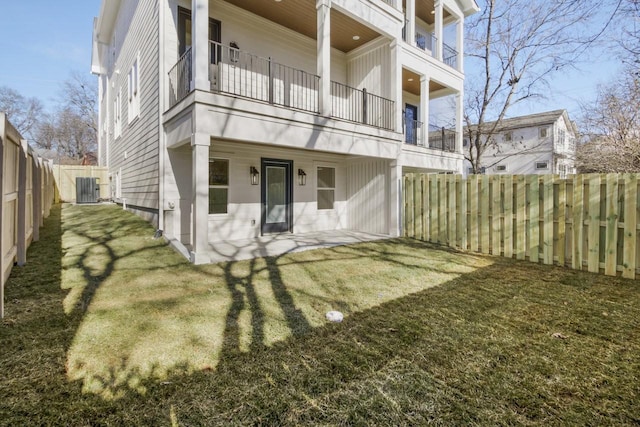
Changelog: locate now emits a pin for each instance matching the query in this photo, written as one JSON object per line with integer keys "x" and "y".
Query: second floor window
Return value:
{"x": 117, "y": 119}
{"x": 134, "y": 91}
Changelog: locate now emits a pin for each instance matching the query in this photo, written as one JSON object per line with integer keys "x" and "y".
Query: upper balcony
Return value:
{"x": 235, "y": 72}
{"x": 437, "y": 27}
{"x": 315, "y": 57}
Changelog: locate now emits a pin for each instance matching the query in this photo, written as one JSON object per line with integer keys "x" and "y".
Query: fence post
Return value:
{"x": 21, "y": 255}
{"x": 547, "y": 215}
{"x": 611, "y": 241}
{"x": 578, "y": 222}
{"x": 452, "y": 193}
{"x": 2, "y": 172}
{"x": 630, "y": 222}
{"x": 507, "y": 239}
{"x": 484, "y": 214}
{"x": 561, "y": 237}
{"x": 593, "y": 236}
{"x": 534, "y": 218}
{"x": 496, "y": 199}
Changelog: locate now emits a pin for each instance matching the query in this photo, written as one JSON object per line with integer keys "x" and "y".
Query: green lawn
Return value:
{"x": 107, "y": 326}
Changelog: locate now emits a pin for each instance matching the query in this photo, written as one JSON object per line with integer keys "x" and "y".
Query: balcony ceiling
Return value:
{"x": 300, "y": 16}
{"x": 411, "y": 83}
{"x": 424, "y": 9}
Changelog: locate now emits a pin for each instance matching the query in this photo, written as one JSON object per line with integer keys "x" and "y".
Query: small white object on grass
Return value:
{"x": 334, "y": 316}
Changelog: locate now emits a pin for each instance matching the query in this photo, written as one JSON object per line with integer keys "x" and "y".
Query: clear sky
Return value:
{"x": 42, "y": 41}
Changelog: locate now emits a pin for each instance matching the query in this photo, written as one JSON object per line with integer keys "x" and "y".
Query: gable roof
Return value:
{"x": 530, "y": 120}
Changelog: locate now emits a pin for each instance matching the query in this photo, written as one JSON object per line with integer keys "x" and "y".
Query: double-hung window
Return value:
{"x": 117, "y": 119}
{"x": 218, "y": 186}
{"x": 134, "y": 91}
{"x": 326, "y": 186}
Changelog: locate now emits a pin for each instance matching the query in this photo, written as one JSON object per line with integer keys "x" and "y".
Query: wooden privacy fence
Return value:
{"x": 585, "y": 221}
{"x": 65, "y": 176}
{"x": 28, "y": 192}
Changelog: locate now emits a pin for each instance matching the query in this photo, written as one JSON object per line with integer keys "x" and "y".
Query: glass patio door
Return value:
{"x": 276, "y": 196}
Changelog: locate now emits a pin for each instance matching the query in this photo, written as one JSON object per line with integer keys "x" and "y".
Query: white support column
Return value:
{"x": 410, "y": 22}
{"x": 323, "y": 60}
{"x": 460, "y": 44}
{"x": 438, "y": 29}
{"x": 395, "y": 199}
{"x": 395, "y": 83}
{"x": 424, "y": 109}
{"x": 199, "y": 197}
{"x": 459, "y": 120}
{"x": 200, "y": 49}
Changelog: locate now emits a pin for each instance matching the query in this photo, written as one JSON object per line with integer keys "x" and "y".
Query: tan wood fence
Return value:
{"x": 28, "y": 192}
{"x": 586, "y": 221}
{"x": 65, "y": 176}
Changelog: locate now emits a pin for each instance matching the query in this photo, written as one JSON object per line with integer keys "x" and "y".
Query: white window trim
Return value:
{"x": 117, "y": 117}
{"x": 133, "y": 83}
{"x": 228, "y": 186}
{"x": 544, "y": 129}
{"x": 335, "y": 179}
{"x": 546, "y": 165}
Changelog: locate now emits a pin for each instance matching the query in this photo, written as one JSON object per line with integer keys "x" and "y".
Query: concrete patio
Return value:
{"x": 279, "y": 244}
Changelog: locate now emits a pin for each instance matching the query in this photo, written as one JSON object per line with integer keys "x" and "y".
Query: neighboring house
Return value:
{"x": 542, "y": 143}
{"x": 229, "y": 119}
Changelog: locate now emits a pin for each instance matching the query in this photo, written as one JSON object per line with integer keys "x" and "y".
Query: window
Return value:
{"x": 501, "y": 168}
{"x": 508, "y": 136}
{"x": 218, "y": 186}
{"x": 117, "y": 120}
{"x": 544, "y": 132}
{"x": 134, "y": 91}
{"x": 561, "y": 138}
{"x": 542, "y": 165}
{"x": 465, "y": 142}
{"x": 326, "y": 187}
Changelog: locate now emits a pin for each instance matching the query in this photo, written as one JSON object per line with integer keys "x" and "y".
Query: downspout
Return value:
{"x": 161, "y": 99}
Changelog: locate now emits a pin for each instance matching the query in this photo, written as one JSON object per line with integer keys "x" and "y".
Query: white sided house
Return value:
{"x": 542, "y": 143}
{"x": 231, "y": 119}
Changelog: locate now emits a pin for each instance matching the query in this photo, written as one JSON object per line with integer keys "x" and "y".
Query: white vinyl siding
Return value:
{"x": 136, "y": 44}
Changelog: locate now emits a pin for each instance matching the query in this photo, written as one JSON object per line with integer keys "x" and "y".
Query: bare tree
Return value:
{"x": 23, "y": 112}
{"x": 614, "y": 123}
{"x": 518, "y": 45}
{"x": 71, "y": 130}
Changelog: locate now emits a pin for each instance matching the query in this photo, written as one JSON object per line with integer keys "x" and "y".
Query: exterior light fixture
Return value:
{"x": 356, "y": 38}
{"x": 302, "y": 177}
{"x": 254, "y": 175}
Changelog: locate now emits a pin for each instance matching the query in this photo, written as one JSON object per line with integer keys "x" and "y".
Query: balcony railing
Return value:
{"x": 360, "y": 106}
{"x": 449, "y": 56}
{"x": 413, "y": 132}
{"x": 243, "y": 74}
{"x": 180, "y": 79}
{"x": 442, "y": 139}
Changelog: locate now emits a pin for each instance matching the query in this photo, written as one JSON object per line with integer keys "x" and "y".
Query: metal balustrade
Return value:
{"x": 180, "y": 79}
{"x": 360, "y": 106}
{"x": 242, "y": 74}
